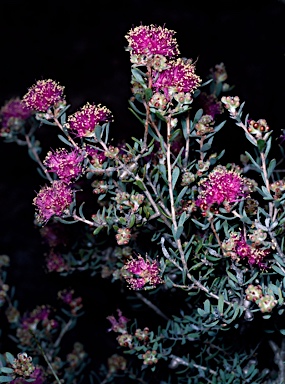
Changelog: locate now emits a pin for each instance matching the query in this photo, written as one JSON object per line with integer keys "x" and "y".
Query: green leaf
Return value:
{"x": 139, "y": 184}
{"x": 64, "y": 140}
{"x": 278, "y": 270}
{"x": 181, "y": 194}
{"x": 261, "y": 145}
{"x": 178, "y": 232}
{"x": 221, "y": 303}
{"x": 252, "y": 160}
{"x": 97, "y": 230}
{"x": 6, "y": 370}
{"x": 9, "y": 357}
{"x": 175, "y": 175}
{"x": 148, "y": 93}
{"x": 132, "y": 221}
{"x": 198, "y": 114}
{"x": 232, "y": 277}
{"x": 98, "y": 132}
{"x": 5, "y": 379}
{"x": 207, "y": 306}
{"x": 271, "y": 167}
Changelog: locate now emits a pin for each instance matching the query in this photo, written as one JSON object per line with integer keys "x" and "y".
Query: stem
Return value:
{"x": 187, "y": 144}
{"x": 68, "y": 137}
{"x": 174, "y": 222}
{"x": 45, "y": 357}
{"x": 279, "y": 355}
{"x": 152, "y": 306}
{"x": 38, "y": 160}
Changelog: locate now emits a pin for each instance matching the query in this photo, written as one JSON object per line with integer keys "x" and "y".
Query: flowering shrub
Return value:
{"x": 197, "y": 240}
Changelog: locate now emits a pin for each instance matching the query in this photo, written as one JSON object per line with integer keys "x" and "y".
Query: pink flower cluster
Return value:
{"x": 118, "y": 325}
{"x": 40, "y": 314}
{"x": 222, "y": 186}
{"x": 12, "y": 111}
{"x": 84, "y": 121}
{"x": 52, "y": 200}
{"x": 67, "y": 165}
{"x": 152, "y": 40}
{"x": 74, "y": 303}
{"x": 55, "y": 262}
{"x": 237, "y": 247}
{"x": 43, "y": 95}
{"x": 179, "y": 76}
{"x": 141, "y": 273}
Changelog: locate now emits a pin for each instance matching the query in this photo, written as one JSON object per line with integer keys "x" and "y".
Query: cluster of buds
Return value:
{"x": 99, "y": 187}
{"x": 258, "y": 128}
{"x": 116, "y": 363}
{"x": 76, "y": 357}
{"x": 12, "y": 314}
{"x": 112, "y": 152}
{"x": 159, "y": 63}
{"x": 123, "y": 236}
{"x": 75, "y": 303}
{"x": 187, "y": 178}
{"x": 125, "y": 340}
{"x": 251, "y": 206}
{"x": 142, "y": 335}
{"x": 149, "y": 357}
{"x": 202, "y": 166}
{"x": 23, "y": 365}
{"x": 4, "y": 288}
{"x": 159, "y": 102}
{"x": 257, "y": 237}
{"x": 265, "y": 302}
{"x": 219, "y": 73}
{"x": 183, "y": 98}
{"x": 278, "y": 187}
{"x": 204, "y": 125}
{"x": 231, "y": 103}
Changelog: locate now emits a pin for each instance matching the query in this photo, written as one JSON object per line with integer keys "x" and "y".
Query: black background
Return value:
{"x": 81, "y": 45}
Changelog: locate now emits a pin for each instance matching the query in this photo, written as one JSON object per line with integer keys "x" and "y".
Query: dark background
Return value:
{"x": 81, "y": 46}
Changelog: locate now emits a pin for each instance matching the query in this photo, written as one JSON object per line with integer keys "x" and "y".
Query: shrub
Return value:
{"x": 196, "y": 239}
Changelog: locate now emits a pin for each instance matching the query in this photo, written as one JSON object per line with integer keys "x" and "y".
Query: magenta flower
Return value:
{"x": 43, "y": 95}
{"x": 12, "y": 111}
{"x": 178, "y": 77}
{"x": 118, "y": 325}
{"x": 67, "y": 165}
{"x": 222, "y": 186}
{"x": 84, "y": 121}
{"x": 55, "y": 262}
{"x": 210, "y": 105}
{"x": 152, "y": 40}
{"x": 52, "y": 200}
{"x": 254, "y": 255}
{"x": 95, "y": 154}
{"x": 141, "y": 273}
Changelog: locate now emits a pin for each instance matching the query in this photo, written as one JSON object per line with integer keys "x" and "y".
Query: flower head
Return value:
{"x": 52, "y": 200}
{"x": 13, "y": 111}
{"x": 43, "y": 95}
{"x": 141, "y": 273}
{"x": 151, "y": 40}
{"x": 222, "y": 186}
{"x": 67, "y": 165}
{"x": 119, "y": 325}
{"x": 84, "y": 121}
{"x": 178, "y": 77}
